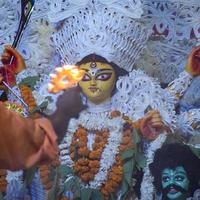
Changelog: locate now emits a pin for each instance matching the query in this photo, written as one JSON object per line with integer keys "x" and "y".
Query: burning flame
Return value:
{"x": 65, "y": 77}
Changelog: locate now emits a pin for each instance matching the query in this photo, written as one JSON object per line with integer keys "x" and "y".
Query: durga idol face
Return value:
{"x": 98, "y": 81}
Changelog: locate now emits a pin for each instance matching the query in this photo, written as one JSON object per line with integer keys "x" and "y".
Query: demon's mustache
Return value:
{"x": 176, "y": 187}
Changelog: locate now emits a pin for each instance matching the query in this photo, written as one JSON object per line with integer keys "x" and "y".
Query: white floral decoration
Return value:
{"x": 138, "y": 92}
{"x": 147, "y": 189}
{"x": 189, "y": 122}
{"x": 179, "y": 85}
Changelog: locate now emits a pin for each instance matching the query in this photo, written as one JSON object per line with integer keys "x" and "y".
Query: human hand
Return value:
{"x": 2, "y": 87}
{"x": 69, "y": 105}
{"x": 193, "y": 62}
{"x": 70, "y": 102}
{"x": 152, "y": 125}
{"x": 17, "y": 64}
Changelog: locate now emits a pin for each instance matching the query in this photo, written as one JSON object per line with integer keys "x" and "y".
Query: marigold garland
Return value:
{"x": 86, "y": 162}
{"x": 3, "y": 181}
{"x": 27, "y": 96}
{"x": 44, "y": 175}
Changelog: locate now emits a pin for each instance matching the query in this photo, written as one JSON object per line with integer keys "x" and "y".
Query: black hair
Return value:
{"x": 171, "y": 156}
{"x": 96, "y": 58}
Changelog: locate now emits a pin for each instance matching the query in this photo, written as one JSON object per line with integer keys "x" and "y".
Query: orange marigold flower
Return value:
{"x": 108, "y": 186}
{"x": 83, "y": 151}
{"x": 114, "y": 184}
{"x": 118, "y": 158}
{"x": 105, "y": 134}
{"x": 123, "y": 148}
{"x": 127, "y": 132}
{"x": 77, "y": 167}
{"x": 94, "y": 163}
{"x": 44, "y": 167}
{"x": 115, "y": 177}
{"x": 97, "y": 146}
{"x": 98, "y": 138}
{"x": 95, "y": 154}
{"x": 81, "y": 144}
{"x": 81, "y": 132}
{"x": 117, "y": 170}
{"x": 44, "y": 173}
{"x": 3, "y": 172}
{"x": 72, "y": 155}
{"x": 84, "y": 169}
{"x": 64, "y": 198}
{"x": 115, "y": 114}
{"x": 45, "y": 180}
{"x": 125, "y": 140}
{"x": 83, "y": 161}
{"x": 94, "y": 170}
{"x": 104, "y": 191}
{"x": 48, "y": 185}
{"x": 56, "y": 162}
{"x": 85, "y": 177}
{"x": 137, "y": 123}
{"x": 83, "y": 139}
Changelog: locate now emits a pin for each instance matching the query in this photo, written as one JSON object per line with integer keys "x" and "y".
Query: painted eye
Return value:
{"x": 179, "y": 178}
{"x": 165, "y": 179}
{"x": 86, "y": 77}
{"x": 103, "y": 76}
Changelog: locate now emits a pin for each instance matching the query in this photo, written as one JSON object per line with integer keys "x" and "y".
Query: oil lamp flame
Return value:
{"x": 64, "y": 78}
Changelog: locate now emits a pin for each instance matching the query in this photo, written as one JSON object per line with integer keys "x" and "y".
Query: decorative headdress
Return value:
{"x": 106, "y": 28}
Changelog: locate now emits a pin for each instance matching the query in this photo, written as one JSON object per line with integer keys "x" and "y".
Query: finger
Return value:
{"x": 156, "y": 113}
{"x": 156, "y": 120}
{"x": 157, "y": 125}
{"x": 5, "y": 58}
{"x": 9, "y": 49}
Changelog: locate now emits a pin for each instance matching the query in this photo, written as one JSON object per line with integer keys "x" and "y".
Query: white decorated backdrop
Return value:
{"x": 174, "y": 24}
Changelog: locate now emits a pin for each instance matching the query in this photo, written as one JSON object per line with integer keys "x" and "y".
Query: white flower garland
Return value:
{"x": 95, "y": 121}
{"x": 147, "y": 188}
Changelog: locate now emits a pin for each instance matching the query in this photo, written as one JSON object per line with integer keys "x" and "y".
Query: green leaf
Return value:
{"x": 64, "y": 170}
{"x": 73, "y": 185}
{"x": 174, "y": 138}
{"x": 124, "y": 188}
{"x": 54, "y": 189}
{"x": 28, "y": 176}
{"x": 1, "y": 196}
{"x": 40, "y": 108}
{"x": 30, "y": 81}
{"x": 135, "y": 136}
{"x": 97, "y": 195}
{"x": 128, "y": 169}
{"x": 196, "y": 151}
{"x": 194, "y": 140}
{"x": 140, "y": 159}
{"x": 86, "y": 193}
{"x": 128, "y": 154}
{"x": 112, "y": 197}
{"x": 128, "y": 166}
